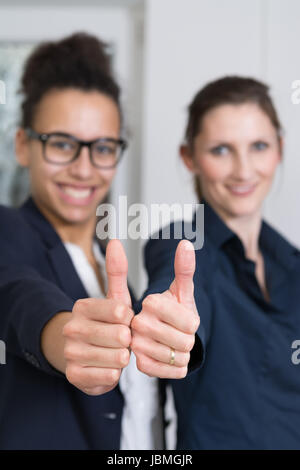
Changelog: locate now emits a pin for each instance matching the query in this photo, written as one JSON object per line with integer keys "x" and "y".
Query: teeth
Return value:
{"x": 77, "y": 193}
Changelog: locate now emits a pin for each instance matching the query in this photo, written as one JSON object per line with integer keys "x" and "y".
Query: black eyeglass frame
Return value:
{"x": 44, "y": 137}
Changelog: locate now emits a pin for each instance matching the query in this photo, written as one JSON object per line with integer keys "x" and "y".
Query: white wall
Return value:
{"x": 186, "y": 44}
{"x": 119, "y": 23}
{"x": 189, "y": 42}
{"x": 282, "y": 68}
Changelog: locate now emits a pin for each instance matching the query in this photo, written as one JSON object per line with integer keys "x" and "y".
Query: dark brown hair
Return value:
{"x": 228, "y": 90}
{"x": 79, "y": 61}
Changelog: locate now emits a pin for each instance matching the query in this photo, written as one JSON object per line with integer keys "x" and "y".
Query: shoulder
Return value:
{"x": 12, "y": 224}
{"x": 8, "y": 214}
{"x": 161, "y": 247}
{"x": 13, "y": 220}
{"x": 17, "y": 238}
{"x": 278, "y": 245}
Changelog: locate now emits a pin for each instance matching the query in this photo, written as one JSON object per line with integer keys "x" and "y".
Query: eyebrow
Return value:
{"x": 68, "y": 134}
{"x": 219, "y": 143}
{"x": 225, "y": 142}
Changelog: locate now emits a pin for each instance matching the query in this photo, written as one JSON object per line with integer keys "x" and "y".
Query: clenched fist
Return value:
{"x": 163, "y": 333}
{"x": 98, "y": 335}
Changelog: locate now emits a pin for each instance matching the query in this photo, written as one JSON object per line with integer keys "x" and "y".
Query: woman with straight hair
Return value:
{"x": 247, "y": 279}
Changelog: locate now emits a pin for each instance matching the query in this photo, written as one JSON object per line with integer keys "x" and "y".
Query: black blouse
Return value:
{"x": 246, "y": 394}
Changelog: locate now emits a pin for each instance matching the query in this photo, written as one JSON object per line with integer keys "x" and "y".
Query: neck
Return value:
{"x": 80, "y": 234}
{"x": 247, "y": 228}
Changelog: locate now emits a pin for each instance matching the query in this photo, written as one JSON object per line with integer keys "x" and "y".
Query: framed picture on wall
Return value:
{"x": 13, "y": 179}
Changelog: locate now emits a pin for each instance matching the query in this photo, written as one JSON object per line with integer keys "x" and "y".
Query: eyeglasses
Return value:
{"x": 61, "y": 149}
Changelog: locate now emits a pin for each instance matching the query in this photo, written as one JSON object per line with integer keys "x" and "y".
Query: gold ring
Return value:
{"x": 172, "y": 356}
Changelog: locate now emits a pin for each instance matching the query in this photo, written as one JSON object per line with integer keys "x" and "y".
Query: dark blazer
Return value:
{"x": 39, "y": 408}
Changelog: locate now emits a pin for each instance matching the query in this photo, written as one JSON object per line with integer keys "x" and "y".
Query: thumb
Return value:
{"x": 116, "y": 269}
{"x": 184, "y": 265}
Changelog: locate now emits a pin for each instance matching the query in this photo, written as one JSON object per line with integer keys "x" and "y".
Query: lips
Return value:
{"x": 241, "y": 189}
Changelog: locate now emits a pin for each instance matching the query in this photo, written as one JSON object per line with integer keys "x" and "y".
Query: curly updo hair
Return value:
{"x": 78, "y": 61}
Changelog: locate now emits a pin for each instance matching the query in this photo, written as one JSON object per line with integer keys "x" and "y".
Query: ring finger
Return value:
{"x": 159, "y": 352}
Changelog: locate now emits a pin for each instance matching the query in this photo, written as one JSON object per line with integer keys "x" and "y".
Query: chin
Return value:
{"x": 77, "y": 216}
{"x": 244, "y": 208}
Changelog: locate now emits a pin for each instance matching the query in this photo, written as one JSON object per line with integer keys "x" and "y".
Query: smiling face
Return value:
{"x": 69, "y": 194}
{"x": 235, "y": 156}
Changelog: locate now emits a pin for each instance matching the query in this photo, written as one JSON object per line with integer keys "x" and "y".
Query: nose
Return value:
{"x": 82, "y": 167}
{"x": 243, "y": 168}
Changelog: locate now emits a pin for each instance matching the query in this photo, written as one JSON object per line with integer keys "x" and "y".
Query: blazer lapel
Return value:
{"x": 66, "y": 273}
{"x": 58, "y": 256}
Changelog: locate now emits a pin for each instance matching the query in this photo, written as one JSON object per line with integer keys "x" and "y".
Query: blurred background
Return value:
{"x": 163, "y": 52}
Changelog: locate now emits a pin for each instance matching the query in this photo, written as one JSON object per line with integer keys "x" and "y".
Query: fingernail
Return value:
{"x": 188, "y": 246}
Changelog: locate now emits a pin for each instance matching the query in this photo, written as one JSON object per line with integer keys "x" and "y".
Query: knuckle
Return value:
{"x": 71, "y": 329}
{"x": 130, "y": 314}
{"x": 182, "y": 372}
{"x": 135, "y": 322}
{"x": 69, "y": 352}
{"x": 140, "y": 364}
{"x": 119, "y": 312}
{"x": 187, "y": 358}
{"x": 184, "y": 359}
{"x": 192, "y": 323}
{"x": 123, "y": 357}
{"x": 192, "y": 342}
{"x": 150, "y": 301}
{"x": 66, "y": 329}
{"x": 112, "y": 376}
{"x": 192, "y": 326}
{"x": 73, "y": 374}
{"x": 134, "y": 345}
{"x": 139, "y": 323}
{"x": 189, "y": 343}
{"x": 123, "y": 335}
{"x": 185, "y": 347}
{"x": 196, "y": 323}
{"x": 80, "y": 306}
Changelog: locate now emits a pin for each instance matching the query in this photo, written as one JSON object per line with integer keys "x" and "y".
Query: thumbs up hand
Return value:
{"x": 163, "y": 333}
{"x": 98, "y": 335}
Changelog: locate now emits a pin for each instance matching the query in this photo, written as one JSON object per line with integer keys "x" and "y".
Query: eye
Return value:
{"x": 260, "y": 145}
{"x": 220, "y": 150}
{"x": 63, "y": 145}
{"x": 105, "y": 149}
{"x": 60, "y": 144}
